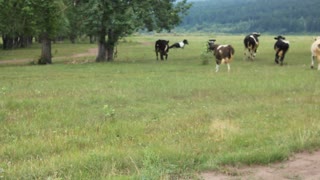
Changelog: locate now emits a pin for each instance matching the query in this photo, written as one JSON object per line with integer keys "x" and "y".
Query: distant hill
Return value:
{"x": 242, "y": 16}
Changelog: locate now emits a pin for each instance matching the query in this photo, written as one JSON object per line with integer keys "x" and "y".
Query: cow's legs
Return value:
{"x": 218, "y": 62}
{"x": 312, "y": 61}
{"x": 217, "y": 67}
{"x": 157, "y": 55}
{"x": 245, "y": 54}
{"x": 277, "y": 57}
{"x": 228, "y": 67}
{"x": 248, "y": 54}
{"x": 251, "y": 54}
{"x": 318, "y": 58}
{"x": 282, "y": 58}
{"x": 254, "y": 53}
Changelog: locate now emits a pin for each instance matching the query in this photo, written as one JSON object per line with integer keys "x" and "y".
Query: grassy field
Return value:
{"x": 138, "y": 118}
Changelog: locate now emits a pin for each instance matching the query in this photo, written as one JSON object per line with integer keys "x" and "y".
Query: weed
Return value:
{"x": 109, "y": 112}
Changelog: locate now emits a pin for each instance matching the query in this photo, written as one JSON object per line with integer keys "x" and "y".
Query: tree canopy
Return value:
{"x": 239, "y": 16}
{"x": 116, "y": 19}
{"x": 107, "y": 20}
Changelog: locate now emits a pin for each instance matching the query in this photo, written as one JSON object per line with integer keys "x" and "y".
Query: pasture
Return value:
{"x": 138, "y": 118}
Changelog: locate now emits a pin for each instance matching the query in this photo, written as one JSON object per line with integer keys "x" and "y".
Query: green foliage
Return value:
{"x": 205, "y": 55}
{"x": 117, "y": 19}
{"x": 31, "y": 17}
{"x": 234, "y": 16}
{"x": 49, "y": 16}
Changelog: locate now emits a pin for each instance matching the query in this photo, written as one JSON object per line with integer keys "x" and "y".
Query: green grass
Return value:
{"x": 138, "y": 118}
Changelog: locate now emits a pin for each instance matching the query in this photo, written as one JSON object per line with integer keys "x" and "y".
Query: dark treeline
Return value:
{"x": 240, "y": 16}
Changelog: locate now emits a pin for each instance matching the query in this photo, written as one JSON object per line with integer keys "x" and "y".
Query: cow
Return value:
{"x": 223, "y": 54}
{"x": 281, "y": 47}
{"x": 251, "y": 44}
{"x": 179, "y": 44}
{"x": 315, "y": 52}
{"x": 162, "y": 47}
{"x": 210, "y": 45}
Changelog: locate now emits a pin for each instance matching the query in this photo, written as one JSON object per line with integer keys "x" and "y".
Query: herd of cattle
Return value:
{"x": 224, "y": 53}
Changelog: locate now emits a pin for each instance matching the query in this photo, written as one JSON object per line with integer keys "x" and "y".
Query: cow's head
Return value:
{"x": 279, "y": 38}
{"x": 317, "y": 38}
{"x": 185, "y": 41}
{"x": 210, "y": 44}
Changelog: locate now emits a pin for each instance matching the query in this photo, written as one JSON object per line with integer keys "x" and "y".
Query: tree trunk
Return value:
{"x": 8, "y": 42}
{"x": 72, "y": 38}
{"x": 92, "y": 39}
{"x": 106, "y": 48}
{"x": 25, "y": 41}
{"x": 46, "y": 50}
{"x": 101, "y": 57}
{"x": 111, "y": 44}
{"x": 110, "y": 50}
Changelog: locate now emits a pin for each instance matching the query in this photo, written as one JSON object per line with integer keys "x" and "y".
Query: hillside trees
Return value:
{"x": 111, "y": 20}
{"x": 272, "y": 16}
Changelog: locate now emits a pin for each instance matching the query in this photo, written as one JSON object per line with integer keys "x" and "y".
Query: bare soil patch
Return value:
{"x": 302, "y": 166}
{"x": 73, "y": 60}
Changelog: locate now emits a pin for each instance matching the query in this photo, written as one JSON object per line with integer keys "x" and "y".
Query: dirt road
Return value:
{"x": 302, "y": 166}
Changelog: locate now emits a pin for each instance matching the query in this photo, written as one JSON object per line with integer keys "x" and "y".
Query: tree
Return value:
{"x": 73, "y": 14}
{"x": 49, "y": 18}
{"x": 16, "y": 24}
{"x": 111, "y": 20}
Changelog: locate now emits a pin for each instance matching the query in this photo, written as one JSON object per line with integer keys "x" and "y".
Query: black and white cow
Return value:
{"x": 179, "y": 44}
{"x": 281, "y": 47}
{"x": 162, "y": 47}
{"x": 315, "y": 52}
{"x": 224, "y": 55}
{"x": 251, "y": 44}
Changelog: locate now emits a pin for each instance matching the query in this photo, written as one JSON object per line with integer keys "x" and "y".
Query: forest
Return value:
{"x": 107, "y": 21}
{"x": 241, "y": 16}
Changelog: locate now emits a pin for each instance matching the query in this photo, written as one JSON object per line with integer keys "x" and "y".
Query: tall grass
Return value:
{"x": 138, "y": 118}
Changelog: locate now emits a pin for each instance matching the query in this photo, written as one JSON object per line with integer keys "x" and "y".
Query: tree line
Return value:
{"x": 242, "y": 16}
{"x": 22, "y": 21}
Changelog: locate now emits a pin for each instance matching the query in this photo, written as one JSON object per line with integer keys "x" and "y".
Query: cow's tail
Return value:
{"x": 172, "y": 46}
{"x": 231, "y": 53}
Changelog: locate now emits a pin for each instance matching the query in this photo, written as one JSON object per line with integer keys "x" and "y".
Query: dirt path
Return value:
{"x": 90, "y": 52}
{"x": 302, "y": 166}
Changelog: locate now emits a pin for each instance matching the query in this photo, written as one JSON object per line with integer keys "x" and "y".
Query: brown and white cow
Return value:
{"x": 281, "y": 47}
{"x": 162, "y": 47}
{"x": 251, "y": 44}
{"x": 224, "y": 55}
{"x": 315, "y": 52}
